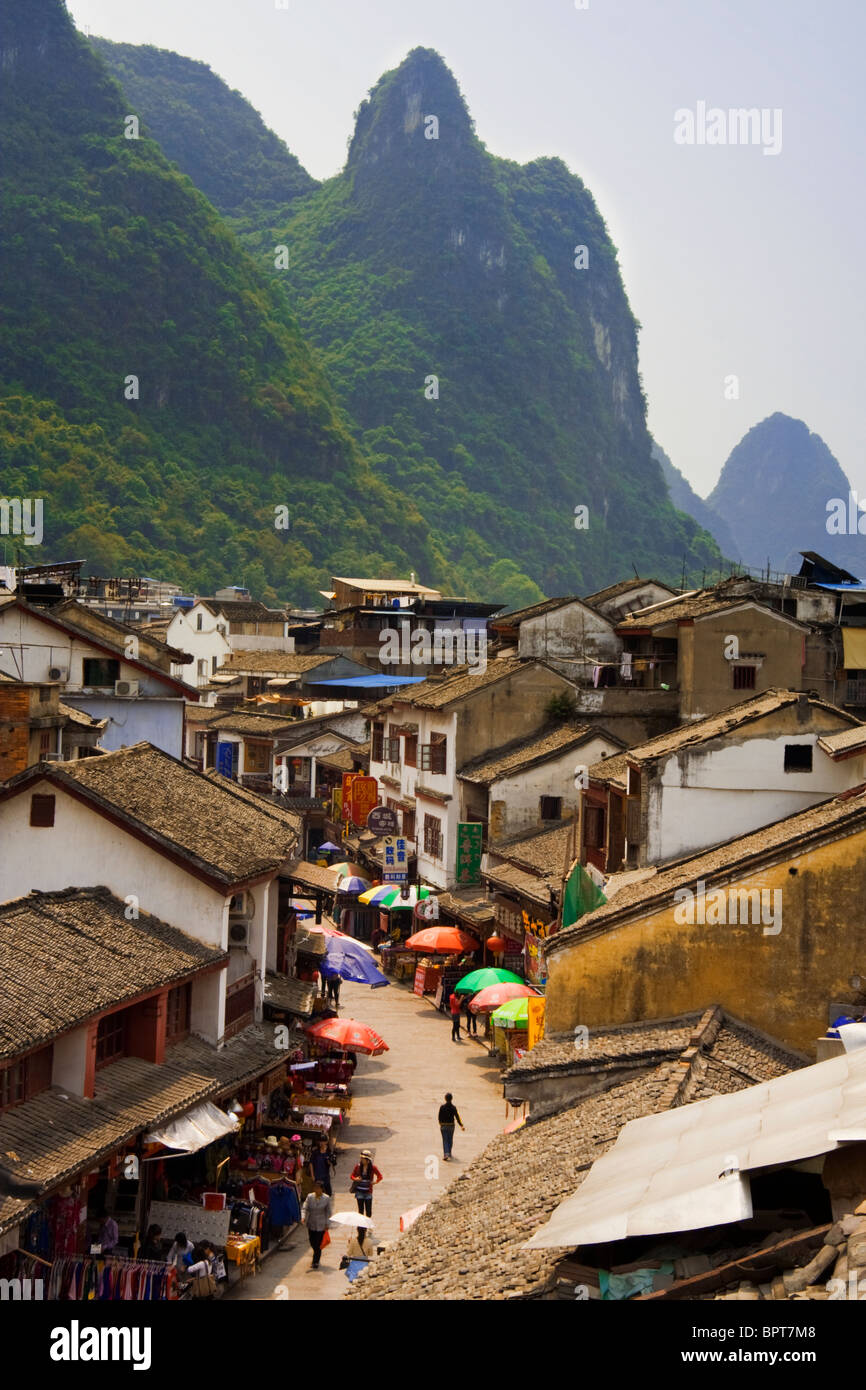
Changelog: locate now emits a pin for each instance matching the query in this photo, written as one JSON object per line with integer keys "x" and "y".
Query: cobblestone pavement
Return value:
{"x": 396, "y": 1098}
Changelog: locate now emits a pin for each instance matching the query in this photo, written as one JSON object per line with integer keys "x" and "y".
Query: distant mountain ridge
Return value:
{"x": 685, "y": 499}
{"x": 488, "y": 379}
{"x": 774, "y": 491}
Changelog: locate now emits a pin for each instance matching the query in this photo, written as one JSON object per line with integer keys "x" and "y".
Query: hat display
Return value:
{"x": 296, "y": 1138}
{"x": 272, "y": 1141}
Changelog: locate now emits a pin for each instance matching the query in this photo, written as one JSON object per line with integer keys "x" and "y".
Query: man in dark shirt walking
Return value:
{"x": 447, "y": 1115}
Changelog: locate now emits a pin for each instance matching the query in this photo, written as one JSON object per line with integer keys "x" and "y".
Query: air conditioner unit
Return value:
{"x": 126, "y": 687}
{"x": 58, "y": 673}
{"x": 239, "y": 933}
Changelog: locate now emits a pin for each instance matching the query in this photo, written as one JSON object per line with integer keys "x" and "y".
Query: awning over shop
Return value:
{"x": 192, "y": 1131}
{"x": 854, "y": 648}
{"x": 687, "y": 1168}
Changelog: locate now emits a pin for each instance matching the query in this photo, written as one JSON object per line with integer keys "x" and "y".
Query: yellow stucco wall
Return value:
{"x": 655, "y": 967}
{"x": 704, "y": 675}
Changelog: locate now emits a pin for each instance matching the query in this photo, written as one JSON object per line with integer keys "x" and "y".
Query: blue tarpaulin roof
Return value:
{"x": 376, "y": 682}
{"x": 843, "y": 588}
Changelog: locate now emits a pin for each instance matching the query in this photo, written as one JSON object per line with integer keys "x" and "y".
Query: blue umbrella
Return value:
{"x": 350, "y": 883}
{"x": 351, "y": 962}
{"x": 329, "y": 847}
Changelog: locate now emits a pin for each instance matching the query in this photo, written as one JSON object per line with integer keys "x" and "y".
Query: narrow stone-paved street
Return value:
{"x": 396, "y": 1098}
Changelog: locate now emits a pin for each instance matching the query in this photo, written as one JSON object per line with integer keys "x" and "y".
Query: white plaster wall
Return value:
{"x": 202, "y": 646}
{"x": 83, "y": 849}
{"x": 574, "y": 634}
{"x": 30, "y": 646}
{"x": 522, "y": 792}
{"x": 69, "y": 1061}
{"x": 703, "y": 799}
{"x": 208, "y": 1006}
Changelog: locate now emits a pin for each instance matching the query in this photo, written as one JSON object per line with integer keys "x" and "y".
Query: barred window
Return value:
{"x": 433, "y": 837}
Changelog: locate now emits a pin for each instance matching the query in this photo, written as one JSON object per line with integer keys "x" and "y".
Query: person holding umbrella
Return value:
{"x": 447, "y": 1115}
{"x": 364, "y": 1177}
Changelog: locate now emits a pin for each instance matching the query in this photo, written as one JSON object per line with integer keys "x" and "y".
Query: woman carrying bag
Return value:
{"x": 364, "y": 1177}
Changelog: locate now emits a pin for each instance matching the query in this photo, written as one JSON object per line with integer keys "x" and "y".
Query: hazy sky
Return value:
{"x": 736, "y": 262}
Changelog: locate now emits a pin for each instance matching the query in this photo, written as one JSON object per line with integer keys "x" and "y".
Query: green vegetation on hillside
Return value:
{"x": 115, "y": 266}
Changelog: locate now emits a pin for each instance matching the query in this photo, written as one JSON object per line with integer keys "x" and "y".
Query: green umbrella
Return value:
{"x": 511, "y": 1015}
{"x": 488, "y": 975}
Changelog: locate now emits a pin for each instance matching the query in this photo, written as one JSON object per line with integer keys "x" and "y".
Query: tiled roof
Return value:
{"x": 624, "y": 586}
{"x": 732, "y": 1044}
{"x": 222, "y": 833}
{"x": 458, "y": 685}
{"x": 345, "y": 758}
{"x": 542, "y": 852}
{"x": 469, "y": 1242}
{"x": 67, "y": 955}
{"x": 384, "y": 586}
{"x": 311, "y": 875}
{"x": 847, "y": 741}
{"x": 243, "y": 610}
{"x": 275, "y": 663}
{"x": 838, "y": 817}
{"x": 471, "y": 903}
{"x": 242, "y": 722}
{"x": 701, "y": 604}
{"x": 295, "y": 996}
{"x": 56, "y": 1135}
{"x": 80, "y": 716}
{"x": 714, "y": 726}
{"x": 613, "y": 770}
{"x": 515, "y": 757}
{"x": 288, "y": 818}
{"x": 510, "y": 877}
{"x": 535, "y": 610}
{"x": 200, "y": 714}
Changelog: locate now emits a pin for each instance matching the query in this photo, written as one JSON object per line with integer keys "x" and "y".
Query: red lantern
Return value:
{"x": 495, "y": 944}
{"x": 249, "y": 1109}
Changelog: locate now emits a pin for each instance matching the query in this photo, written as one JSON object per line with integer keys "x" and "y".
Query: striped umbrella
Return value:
{"x": 350, "y": 883}
{"x": 388, "y": 895}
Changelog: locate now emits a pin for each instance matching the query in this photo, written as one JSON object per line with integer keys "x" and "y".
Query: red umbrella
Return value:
{"x": 443, "y": 940}
{"x": 349, "y": 1034}
{"x": 486, "y": 1000}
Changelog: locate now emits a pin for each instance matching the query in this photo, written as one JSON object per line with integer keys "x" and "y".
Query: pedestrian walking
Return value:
{"x": 447, "y": 1115}
{"x": 321, "y": 1164}
{"x": 332, "y": 985}
{"x": 455, "y": 1006}
{"x": 316, "y": 1216}
{"x": 364, "y": 1177}
{"x": 471, "y": 1020}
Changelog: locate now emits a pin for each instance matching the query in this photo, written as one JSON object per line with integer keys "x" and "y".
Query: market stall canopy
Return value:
{"x": 442, "y": 940}
{"x": 348, "y": 1033}
{"x": 389, "y": 895}
{"x": 687, "y": 1168}
{"x": 494, "y": 996}
{"x": 346, "y": 960}
{"x": 192, "y": 1131}
{"x": 487, "y": 975}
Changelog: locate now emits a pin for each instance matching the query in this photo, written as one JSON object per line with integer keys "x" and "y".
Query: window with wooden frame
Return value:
{"x": 593, "y": 822}
{"x": 550, "y": 808}
{"x": 409, "y": 825}
{"x": 744, "y": 677}
{"x": 111, "y": 1038}
{"x": 44, "y": 743}
{"x": 632, "y": 820}
{"x": 42, "y": 809}
{"x": 434, "y": 755}
{"x": 100, "y": 670}
{"x": 392, "y": 749}
{"x": 13, "y": 1083}
{"x": 377, "y": 745}
{"x": 433, "y": 837}
{"x": 410, "y": 752}
{"x": 178, "y": 1008}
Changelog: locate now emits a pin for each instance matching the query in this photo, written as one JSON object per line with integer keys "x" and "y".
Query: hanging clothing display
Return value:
{"x": 103, "y": 1280}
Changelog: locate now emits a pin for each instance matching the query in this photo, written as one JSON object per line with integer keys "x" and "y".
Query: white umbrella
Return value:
{"x": 352, "y": 1218}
